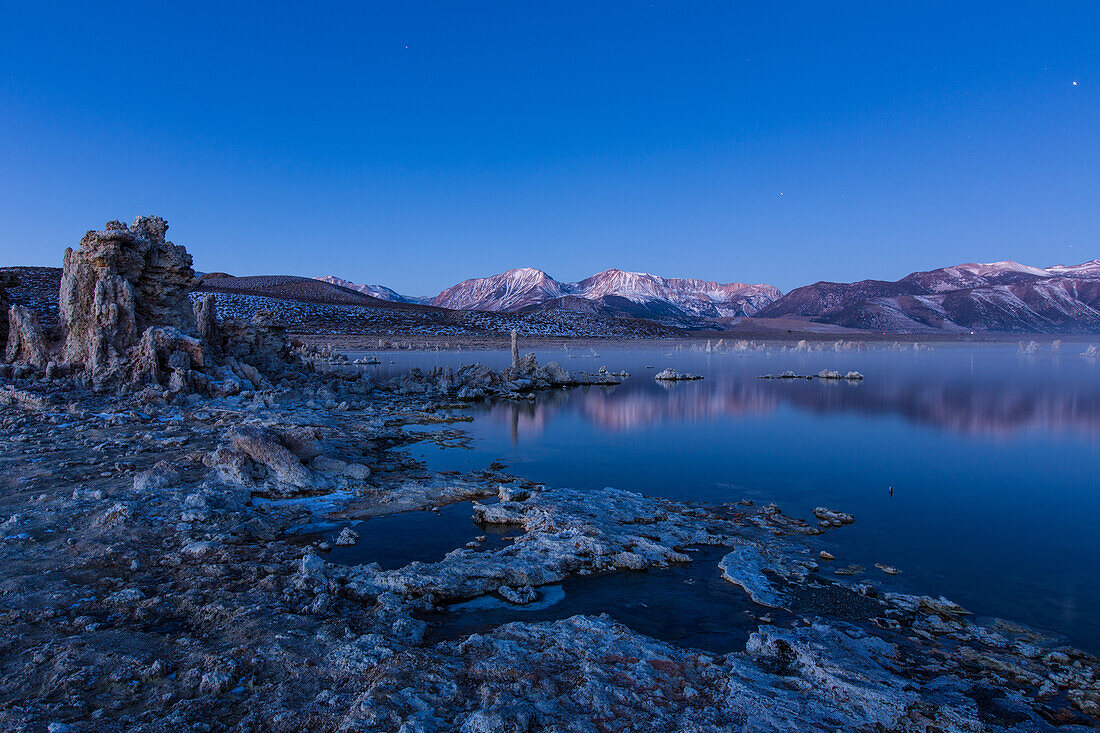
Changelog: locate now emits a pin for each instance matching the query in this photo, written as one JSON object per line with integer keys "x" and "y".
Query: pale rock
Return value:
{"x": 346, "y": 538}
{"x": 199, "y": 548}
{"x": 751, "y": 567}
{"x": 328, "y": 465}
{"x": 830, "y": 518}
{"x": 25, "y": 341}
{"x": 519, "y": 596}
{"x": 116, "y": 514}
{"x": 301, "y": 441}
{"x": 264, "y": 447}
{"x": 126, "y": 597}
{"x": 671, "y": 375}
{"x": 312, "y": 567}
{"x": 164, "y": 350}
{"x": 357, "y": 471}
{"x": 162, "y": 475}
{"x": 206, "y": 319}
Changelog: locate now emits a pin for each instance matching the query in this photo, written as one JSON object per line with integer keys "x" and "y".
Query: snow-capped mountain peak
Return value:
{"x": 611, "y": 292}
{"x": 631, "y": 285}
{"x": 513, "y": 290}
{"x": 986, "y": 269}
{"x": 994, "y": 296}
{"x": 527, "y": 272}
{"x": 692, "y": 294}
{"x": 1090, "y": 269}
{"x": 377, "y": 291}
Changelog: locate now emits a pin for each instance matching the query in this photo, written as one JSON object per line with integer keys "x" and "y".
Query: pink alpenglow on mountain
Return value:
{"x": 513, "y": 290}
{"x": 612, "y": 292}
{"x": 704, "y": 298}
{"x": 996, "y": 296}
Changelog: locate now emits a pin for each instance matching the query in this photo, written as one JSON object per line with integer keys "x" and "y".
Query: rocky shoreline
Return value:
{"x": 155, "y": 578}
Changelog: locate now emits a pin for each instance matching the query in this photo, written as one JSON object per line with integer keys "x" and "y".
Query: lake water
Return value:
{"x": 993, "y": 458}
{"x": 395, "y": 540}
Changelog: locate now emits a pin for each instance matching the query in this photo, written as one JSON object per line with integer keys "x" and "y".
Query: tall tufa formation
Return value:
{"x": 20, "y": 332}
{"x": 206, "y": 319}
{"x": 127, "y": 322}
{"x": 25, "y": 343}
{"x": 7, "y": 280}
{"x": 120, "y": 283}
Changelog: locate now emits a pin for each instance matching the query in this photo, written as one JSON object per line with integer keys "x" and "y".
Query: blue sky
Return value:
{"x": 418, "y": 144}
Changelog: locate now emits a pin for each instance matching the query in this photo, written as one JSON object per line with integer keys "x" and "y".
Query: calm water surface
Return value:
{"x": 993, "y": 457}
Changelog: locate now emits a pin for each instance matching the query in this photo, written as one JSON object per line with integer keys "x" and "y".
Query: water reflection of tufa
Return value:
{"x": 949, "y": 401}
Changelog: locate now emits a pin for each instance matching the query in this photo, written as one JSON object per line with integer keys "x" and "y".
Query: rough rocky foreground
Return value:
{"x": 165, "y": 523}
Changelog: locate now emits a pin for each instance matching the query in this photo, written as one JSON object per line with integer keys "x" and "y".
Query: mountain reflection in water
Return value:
{"x": 986, "y": 404}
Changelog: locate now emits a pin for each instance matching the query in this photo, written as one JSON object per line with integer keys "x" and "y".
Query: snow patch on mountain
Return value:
{"x": 987, "y": 269}
{"x": 377, "y": 291}
{"x": 1090, "y": 269}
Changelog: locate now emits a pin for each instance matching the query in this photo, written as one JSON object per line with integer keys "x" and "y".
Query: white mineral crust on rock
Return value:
{"x": 671, "y": 375}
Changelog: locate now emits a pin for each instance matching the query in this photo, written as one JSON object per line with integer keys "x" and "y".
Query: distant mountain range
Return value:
{"x": 671, "y": 301}
{"x": 375, "y": 291}
{"x": 997, "y": 296}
